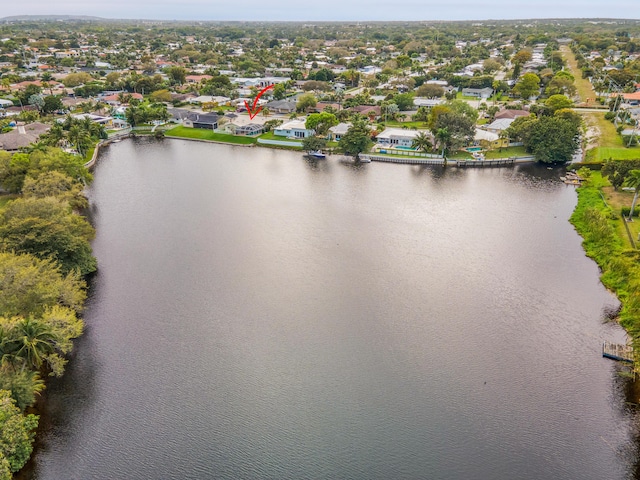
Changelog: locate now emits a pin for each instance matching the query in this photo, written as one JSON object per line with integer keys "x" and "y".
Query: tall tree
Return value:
{"x": 633, "y": 181}
{"x": 357, "y": 139}
{"x": 46, "y": 228}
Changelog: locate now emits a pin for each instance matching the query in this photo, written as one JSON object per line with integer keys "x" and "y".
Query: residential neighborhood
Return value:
{"x": 203, "y": 78}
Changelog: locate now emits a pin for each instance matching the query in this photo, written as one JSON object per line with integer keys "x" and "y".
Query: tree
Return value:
{"x": 528, "y": 86}
{"x": 29, "y": 342}
{"x": 279, "y": 91}
{"x": 321, "y": 122}
{"x": 616, "y": 171}
{"x": 552, "y": 140}
{"x": 557, "y": 102}
{"x": 434, "y": 114}
{"x": 422, "y": 142}
{"x": 30, "y": 286}
{"x": 560, "y": 85}
{"x": 51, "y": 103}
{"x": 404, "y": 101}
{"x": 75, "y": 79}
{"x": 490, "y": 65}
{"x": 160, "y": 96}
{"x": 357, "y": 139}
{"x": 313, "y": 144}
{"x": 464, "y": 109}
{"x": 46, "y": 228}
{"x": 13, "y": 169}
{"x": 522, "y": 57}
{"x": 430, "y": 91}
{"x": 633, "y": 181}
{"x": 460, "y": 129}
{"x": 443, "y": 138}
{"x": 55, "y": 184}
{"x": 16, "y": 434}
{"x": 177, "y": 75}
{"x": 305, "y": 101}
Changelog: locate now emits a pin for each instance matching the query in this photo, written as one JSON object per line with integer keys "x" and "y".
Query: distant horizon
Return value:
{"x": 330, "y": 10}
{"x": 63, "y": 17}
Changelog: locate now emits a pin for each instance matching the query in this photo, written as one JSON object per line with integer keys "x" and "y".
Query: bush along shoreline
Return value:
{"x": 45, "y": 255}
{"x": 600, "y": 227}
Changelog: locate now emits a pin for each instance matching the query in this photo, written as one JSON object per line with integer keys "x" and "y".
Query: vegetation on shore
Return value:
{"x": 44, "y": 255}
{"x": 605, "y": 242}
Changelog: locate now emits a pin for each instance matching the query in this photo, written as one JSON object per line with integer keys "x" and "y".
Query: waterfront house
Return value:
{"x": 489, "y": 140}
{"x": 336, "y": 132}
{"x": 398, "y": 137}
{"x": 207, "y": 121}
{"x": 293, "y": 129}
{"x": 22, "y": 136}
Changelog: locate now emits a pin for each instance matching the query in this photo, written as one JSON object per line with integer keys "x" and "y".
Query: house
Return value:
{"x": 499, "y": 125}
{"x": 489, "y": 140}
{"x": 5, "y": 103}
{"x": 197, "y": 78}
{"x": 250, "y": 129}
{"x": 115, "y": 99}
{"x": 483, "y": 93}
{"x": 22, "y": 136}
{"x": 281, "y": 106}
{"x": 320, "y": 106}
{"x": 398, "y": 137}
{"x": 207, "y": 121}
{"x": 336, "y": 133}
{"x": 427, "y": 102}
{"x": 509, "y": 113}
{"x": 367, "y": 110}
{"x": 217, "y": 99}
{"x": 293, "y": 129}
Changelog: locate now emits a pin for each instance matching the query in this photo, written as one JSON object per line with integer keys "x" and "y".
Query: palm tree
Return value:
{"x": 30, "y": 341}
{"x": 443, "y": 137}
{"x": 633, "y": 181}
{"x": 422, "y": 142}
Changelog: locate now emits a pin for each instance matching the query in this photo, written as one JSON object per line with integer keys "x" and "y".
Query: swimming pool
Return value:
{"x": 473, "y": 149}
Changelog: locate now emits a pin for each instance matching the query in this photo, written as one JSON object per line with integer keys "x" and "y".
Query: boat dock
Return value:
{"x": 617, "y": 351}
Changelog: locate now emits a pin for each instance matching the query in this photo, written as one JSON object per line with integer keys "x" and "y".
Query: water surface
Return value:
{"x": 257, "y": 315}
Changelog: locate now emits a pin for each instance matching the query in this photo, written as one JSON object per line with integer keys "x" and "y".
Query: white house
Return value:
{"x": 398, "y": 137}
{"x": 293, "y": 129}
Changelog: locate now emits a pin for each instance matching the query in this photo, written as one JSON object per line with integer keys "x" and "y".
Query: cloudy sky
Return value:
{"x": 327, "y": 9}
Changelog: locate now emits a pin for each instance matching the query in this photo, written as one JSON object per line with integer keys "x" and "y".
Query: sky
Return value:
{"x": 328, "y": 10}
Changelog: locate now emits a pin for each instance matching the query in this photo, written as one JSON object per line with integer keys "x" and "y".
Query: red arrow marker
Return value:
{"x": 252, "y": 112}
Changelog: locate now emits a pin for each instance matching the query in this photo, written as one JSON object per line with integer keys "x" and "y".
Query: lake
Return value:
{"x": 257, "y": 315}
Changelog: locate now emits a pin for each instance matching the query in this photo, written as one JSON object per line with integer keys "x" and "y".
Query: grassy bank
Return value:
{"x": 202, "y": 134}
{"x": 605, "y": 241}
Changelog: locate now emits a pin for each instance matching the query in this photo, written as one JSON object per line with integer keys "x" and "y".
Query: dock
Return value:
{"x": 617, "y": 351}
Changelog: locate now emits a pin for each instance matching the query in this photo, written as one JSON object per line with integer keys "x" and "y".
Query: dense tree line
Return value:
{"x": 44, "y": 255}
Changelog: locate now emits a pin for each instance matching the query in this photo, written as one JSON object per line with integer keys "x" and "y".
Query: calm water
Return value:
{"x": 258, "y": 316}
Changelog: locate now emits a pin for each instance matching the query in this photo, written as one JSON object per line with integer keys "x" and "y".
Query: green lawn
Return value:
{"x": 507, "y": 152}
{"x": 203, "y": 134}
{"x": 600, "y": 154}
{"x": 583, "y": 86}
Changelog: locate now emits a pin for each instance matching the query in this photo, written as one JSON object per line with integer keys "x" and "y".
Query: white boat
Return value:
{"x": 317, "y": 154}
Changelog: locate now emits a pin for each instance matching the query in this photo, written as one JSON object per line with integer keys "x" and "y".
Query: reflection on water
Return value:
{"x": 261, "y": 315}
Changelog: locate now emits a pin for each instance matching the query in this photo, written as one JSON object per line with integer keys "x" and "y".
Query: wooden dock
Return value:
{"x": 617, "y": 351}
